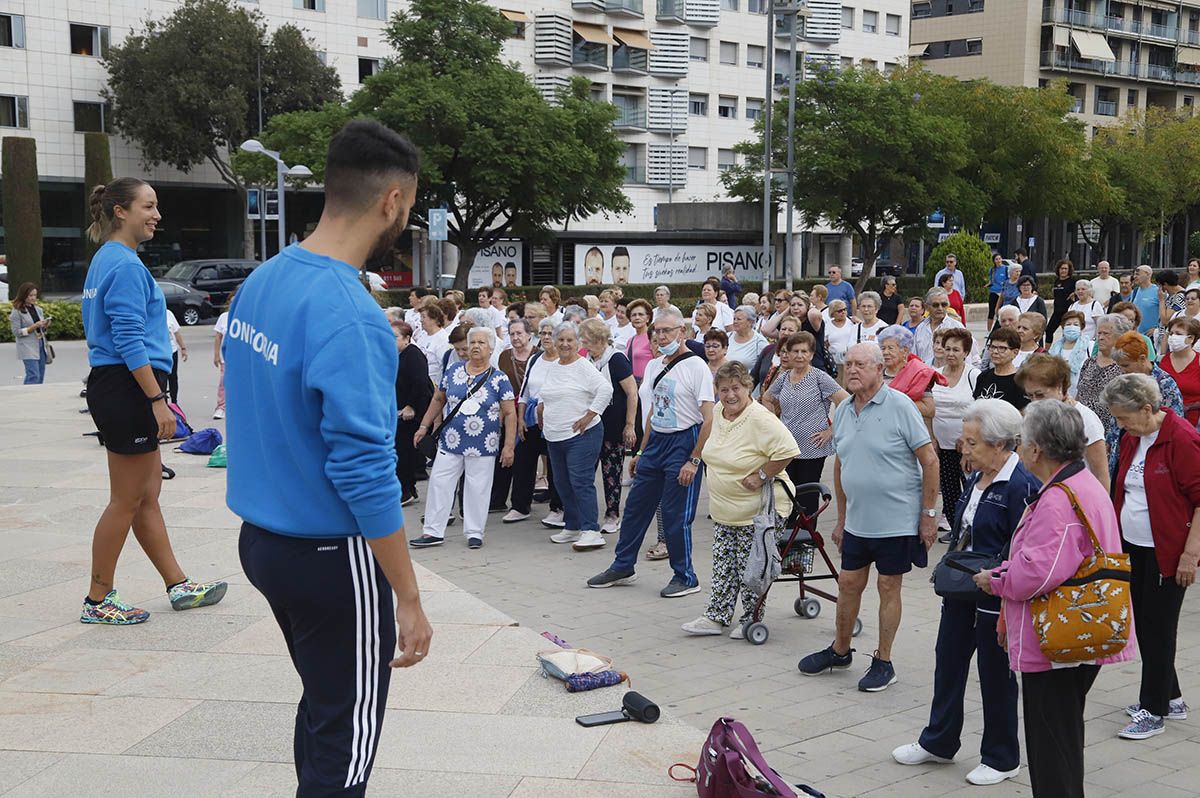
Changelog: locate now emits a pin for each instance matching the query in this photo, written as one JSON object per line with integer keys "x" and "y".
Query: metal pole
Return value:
{"x": 770, "y": 95}
{"x": 262, "y": 220}
{"x": 791, "y": 149}
{"x": 279, "y": 188}
{"x": 671, "y": 147}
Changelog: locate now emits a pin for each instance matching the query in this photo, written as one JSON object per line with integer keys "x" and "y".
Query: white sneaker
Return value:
{"x": 914, "y": 754}
{"x": 738, "y": 632}
{"x": 591, "y": 539}
{"x": 513, "y": 516}
{"x": 555, "y": 519}
{"x": 566, "y": 536}
{"x": 219, "y": 413}
{"x": 985, "y": 775}
{"x": 703, "y": 626}
{"x": 626, "y": 480}
{"x": 943, "y": 524}
{"x": 611, "y": 526}
{"x": 541, "y": 484}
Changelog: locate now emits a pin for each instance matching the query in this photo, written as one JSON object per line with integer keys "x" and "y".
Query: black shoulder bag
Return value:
{"x": 687, "y": 353}
{"x": 429, "y": 444}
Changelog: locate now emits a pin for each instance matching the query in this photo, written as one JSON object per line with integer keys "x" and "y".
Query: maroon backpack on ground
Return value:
{"x": 731, "y": 766}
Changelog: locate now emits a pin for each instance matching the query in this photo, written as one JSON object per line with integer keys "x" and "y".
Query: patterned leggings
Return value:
{"x": 950, "y": 472}
{"x": 612, "y": 457}
{"x": 731, "y": 549}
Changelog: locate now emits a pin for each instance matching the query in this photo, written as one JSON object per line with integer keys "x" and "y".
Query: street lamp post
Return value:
{"x": 281, "y": 170}
{"x": 767, "y": 174}
{"x": 671, "y": 147}
{"x": 796, "y": 12}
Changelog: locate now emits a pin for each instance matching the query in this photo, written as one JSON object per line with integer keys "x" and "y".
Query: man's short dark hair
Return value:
{"x": 363, "y": 156}
{"x": 1167, "y": 277}
{"x": 1022, "y": 252}
{"x": 421, "y": 291}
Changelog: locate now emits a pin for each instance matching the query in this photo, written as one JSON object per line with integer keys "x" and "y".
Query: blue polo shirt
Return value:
{"x": 880, "y": 473}
{"x": 843, "y": 291}
{"x": 1146, "y": 300}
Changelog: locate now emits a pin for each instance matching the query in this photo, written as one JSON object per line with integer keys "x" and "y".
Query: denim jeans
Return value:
{"x": 35, "y": 370}
{"x": 574, "y": 463}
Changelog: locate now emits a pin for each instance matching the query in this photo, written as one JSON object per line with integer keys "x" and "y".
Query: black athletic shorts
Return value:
{"x": 120, "y": 410}
{"x": 890, "y": 556}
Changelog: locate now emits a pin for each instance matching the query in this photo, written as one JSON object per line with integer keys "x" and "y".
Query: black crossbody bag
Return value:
{"x": 429, "y": 444}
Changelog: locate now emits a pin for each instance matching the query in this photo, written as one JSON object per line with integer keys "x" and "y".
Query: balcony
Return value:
{"x": 630, "y": 117}
{"x": 1053, "y": 59}
{"x": 1169, "y": 32}
{"x": 1077, "y": 105}
{"x": 1190, "y": 78}
{"x": 632, "y": 60}
{"x": 588, "y": 5}
{"x": 1193, "y": 37}
{"x": 624, "y": 8}
{"x": 1159, "y": 72}
{"x": 670, "y": 11}
{"x": 1101, "y": 22}
{"x": 586, "y": 55}
{"x": 1106, "y": 107}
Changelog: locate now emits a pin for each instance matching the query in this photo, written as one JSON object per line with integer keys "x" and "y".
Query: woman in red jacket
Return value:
{"x": 1160, "y": 529}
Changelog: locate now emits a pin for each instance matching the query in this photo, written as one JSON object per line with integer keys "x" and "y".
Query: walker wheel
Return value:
{"x": 807, "y": 608}
{"x": 857, "y": 627}
{"x": 757, "y": 633}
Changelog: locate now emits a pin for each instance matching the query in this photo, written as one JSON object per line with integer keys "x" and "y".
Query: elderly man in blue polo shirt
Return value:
{"x": 885, "y": 477}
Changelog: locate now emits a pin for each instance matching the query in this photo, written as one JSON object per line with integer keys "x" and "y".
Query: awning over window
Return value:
{"x": 1189, "y": 56}
{"x": 1092, "y": 46}
{"x": 593, "y": 33}
{"x": 633, "y": 38}
{"x": 917, "y": 50}
{"x": 515, "y": 16}
{"x": 1062, "y": 37}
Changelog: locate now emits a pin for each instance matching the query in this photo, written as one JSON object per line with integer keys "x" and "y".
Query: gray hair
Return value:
{"x": 750, "y": 311}
{"x": 871, "y": 295}
{"x": 837, "y": 304}
{"x": 1056, "y": 428}
{"x": 485, "y": 330}
{"x": 750, "y": 298}
{"x": 527, "y": 324}
{"x": 1119, "y": 323}
{"x": 886, "y": 281}
{"x": 663, "y": 288}
{"x": 544, "y": 323}
{"x": 573, "y": 313}
{"x": 565, "y": 326}
{"x": 936, "y": 293}
{"x": 480, "y": 317}
{"x": 1008, "y": 310}
{"x": 394, "y": 314}
{"x": 1130, "y": 392}
{"x": 671, "y": 313}
{"x": 870, "y": 349}
{"x": 1014, "y": 269}
{"x": 1083, "y": 284}
{"x": 901, "y": 335}
{"x": 999, "y": 422}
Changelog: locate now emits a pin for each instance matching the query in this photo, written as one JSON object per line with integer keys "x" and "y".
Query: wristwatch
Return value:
{"x": 930, "y": 513}
{"x": 763, "y": 475}
{"x": 695, "y": 461}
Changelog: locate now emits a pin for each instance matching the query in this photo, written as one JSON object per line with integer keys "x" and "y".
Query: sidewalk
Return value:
{"x": 203, "y": 702}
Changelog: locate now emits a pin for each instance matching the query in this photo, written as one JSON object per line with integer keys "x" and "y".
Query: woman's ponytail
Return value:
{"x": 103, "y": 199}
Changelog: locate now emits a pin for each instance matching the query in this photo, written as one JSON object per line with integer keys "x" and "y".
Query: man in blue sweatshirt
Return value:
{"x": 310, "y": 369}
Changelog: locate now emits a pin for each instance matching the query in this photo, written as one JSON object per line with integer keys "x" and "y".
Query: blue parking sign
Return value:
{"x": 437, "y": 224}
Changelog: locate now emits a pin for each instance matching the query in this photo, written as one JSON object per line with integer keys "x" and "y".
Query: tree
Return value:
{"x": 97, "y": 171}
{"x": 974, "y": 259}
{"x": 22, "y": 211}
{"x": 503, "y": 160}
{"x": 871, "y": 156}
{"x": 186, "y": 88}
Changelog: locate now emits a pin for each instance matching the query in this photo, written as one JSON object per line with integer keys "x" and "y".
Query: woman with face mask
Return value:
{"x": 1073, "y": 346}
{"x": 1183, "y": 363}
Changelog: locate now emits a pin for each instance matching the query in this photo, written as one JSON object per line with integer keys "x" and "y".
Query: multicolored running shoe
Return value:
{"x": 112, "y": 611}
{"x": 188, "y": 594}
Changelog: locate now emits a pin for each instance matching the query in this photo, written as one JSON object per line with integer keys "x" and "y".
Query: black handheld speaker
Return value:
{"x": 640, "y": 708}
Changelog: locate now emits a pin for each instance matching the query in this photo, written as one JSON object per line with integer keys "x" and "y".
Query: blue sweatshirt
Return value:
{"x": 310, "y": 397}
{"x": 124, "y": 312}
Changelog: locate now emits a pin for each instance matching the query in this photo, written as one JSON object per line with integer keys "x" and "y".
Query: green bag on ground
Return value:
{"x": 217, "y": 458}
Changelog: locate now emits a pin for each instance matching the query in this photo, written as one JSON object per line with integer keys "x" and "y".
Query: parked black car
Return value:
{"x": 188, "y": 304}
{"x": 217, "y": 277}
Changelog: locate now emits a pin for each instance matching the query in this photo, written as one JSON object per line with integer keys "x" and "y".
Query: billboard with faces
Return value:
{"x": 607, "y": 264}
{"x": 499, "y": 264}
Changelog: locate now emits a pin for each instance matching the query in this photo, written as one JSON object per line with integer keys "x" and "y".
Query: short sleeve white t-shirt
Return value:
{"x": 220, "y": 328}
{"x": 1105, "y": 287}
{"x": 172, "y": 328}
{"x": 1135, "y": 512}
{"x": 621, "y": 335}
{"x": 674, "y": 404}
{"x": 870, "y": 331}
{"x": 1093, "y": 428}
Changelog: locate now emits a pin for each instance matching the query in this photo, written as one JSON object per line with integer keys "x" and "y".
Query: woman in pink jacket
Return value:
{"x": 1048, "y": 547}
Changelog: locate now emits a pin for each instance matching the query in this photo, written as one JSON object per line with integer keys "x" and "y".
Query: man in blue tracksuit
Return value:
{"x": 677, "y": 389}
{"x": 310, "y": 370}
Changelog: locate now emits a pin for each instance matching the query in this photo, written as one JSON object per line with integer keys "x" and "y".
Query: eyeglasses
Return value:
{"x": 999, "y": 348}
{"x": 939, "y": 304}
{"x": 665, "y": 330}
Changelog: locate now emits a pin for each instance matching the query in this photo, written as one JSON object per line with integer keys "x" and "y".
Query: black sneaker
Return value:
{"x": 826, "y": 661}
{"x": 879, "y": 677}
{"x": 474, "y": 543}
{"x": 676, "y": 589}
{"x": 611, "y": 577}
{"x": 411, "y": 498}
{"x": 426, "y": 541}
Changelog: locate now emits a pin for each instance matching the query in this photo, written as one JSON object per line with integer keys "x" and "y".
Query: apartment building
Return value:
{"x": 688, "y": 77}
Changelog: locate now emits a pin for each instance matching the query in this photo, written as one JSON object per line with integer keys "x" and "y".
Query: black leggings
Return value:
{"x": 950, "y": 471}
{"x": 173, "y": 378}
{"x": 801, "y": 471}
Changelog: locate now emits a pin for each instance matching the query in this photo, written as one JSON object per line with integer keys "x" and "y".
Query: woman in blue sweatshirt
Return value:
{"x": 125, "y": 319}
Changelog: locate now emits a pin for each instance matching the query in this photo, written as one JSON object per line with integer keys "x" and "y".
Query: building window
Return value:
{"x": 756, "y": 6}
{"x": 729, "y": 53}
{"x": 974, "y": 5}
{"x": 1131, "y": 98}
{"x": 755, "y": 53}
{"x": 1188, "y": 101}
{"x": 89, "y": 40}
{"x": 889, "y": 67}
{"x": 635, "y": 164}
{"x": 727, "y": 107}
{"x": 946, "y": 49}
{"x": 1106, "y": 101}
{"x": 12, "y": 30}
{"x": 698, "y": 104}
{"x": 847, "y": 18}
{"x": 698, "y": 49}
{"x": 870, "y": 21}
{"x": 309, "y": 5}
{"x": 366, "y": 68}
{"x": 893, "y": 25}
{"x": 729, "y": 5}
{"x": 14, "y": 111}
{"x": 726, "y": 159}
{"x": 93, "y": 118}
{"x": 846, "y": 62}
{"x": 922, "y": 10}
{"x": 870, "y": 64}
{"x": 697, "y": 157}
{"x": 974, "y": 46}
{"x": 754, "y": 108}
{"x": 372, "y": 9}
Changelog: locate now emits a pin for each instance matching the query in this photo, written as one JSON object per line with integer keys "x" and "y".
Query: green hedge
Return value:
{"x": 67, "y": 324}
{"x": 20, "y": 198}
